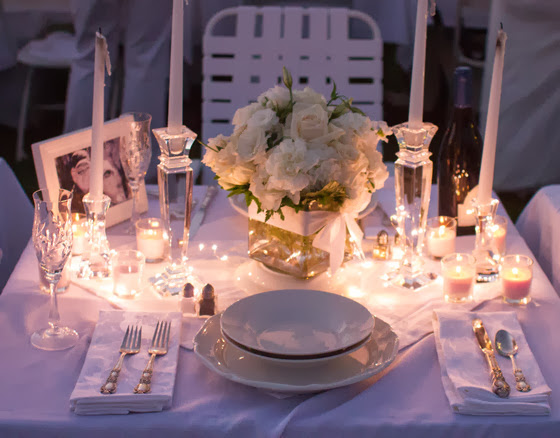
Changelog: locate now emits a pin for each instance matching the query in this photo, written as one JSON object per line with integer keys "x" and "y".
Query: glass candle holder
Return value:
{"x": 500, "y": 234}
{"x": 151, "y": 239}
{"x": 128, "y": 267}
{"x": 516, "y": 274}
{"x": 459, "y": 273}
{"x": 79, "y": 233}
{"x": 441, "y": 235}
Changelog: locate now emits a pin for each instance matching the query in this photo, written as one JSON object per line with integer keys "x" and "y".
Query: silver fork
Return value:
{"x": 160, "y": 344}
{"x": 130, "y": 345}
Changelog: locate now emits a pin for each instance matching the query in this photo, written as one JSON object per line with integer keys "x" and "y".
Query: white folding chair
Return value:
{"x": 245, "y": 48}
{"x": 16, "y": 221}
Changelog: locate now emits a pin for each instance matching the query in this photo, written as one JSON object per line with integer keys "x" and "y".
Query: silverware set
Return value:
{"x": 131, "y": 345}
{"x": 506, "y": 346}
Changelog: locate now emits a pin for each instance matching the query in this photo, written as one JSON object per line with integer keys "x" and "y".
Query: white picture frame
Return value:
{"x": 63, "y": 162}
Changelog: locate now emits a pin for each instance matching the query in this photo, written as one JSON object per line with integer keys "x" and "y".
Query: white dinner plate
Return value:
{"x": 234, "y": 364}
{"x": 240, "y": 205}
{"x": 297, "y": 324}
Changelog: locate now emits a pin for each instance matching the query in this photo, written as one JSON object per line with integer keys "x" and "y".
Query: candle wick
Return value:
{"x": 100, "y": 31}
{"x": 501, "y": 25}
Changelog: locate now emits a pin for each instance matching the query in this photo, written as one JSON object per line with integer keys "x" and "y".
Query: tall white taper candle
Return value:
{"x": 97, "y": 119}
{"x": 417, "y": 83}
{"x": 491, "y": 134}
{"x": 175, "y": 110}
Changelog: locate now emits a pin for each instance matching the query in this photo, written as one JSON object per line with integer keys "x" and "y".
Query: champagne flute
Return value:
{"x": 52, "y": 239}
{"x": 135, "y": 152}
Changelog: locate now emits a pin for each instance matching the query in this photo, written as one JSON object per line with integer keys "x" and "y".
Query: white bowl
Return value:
{"x": 297, "y": 324}
{"x": 234, "y": 364}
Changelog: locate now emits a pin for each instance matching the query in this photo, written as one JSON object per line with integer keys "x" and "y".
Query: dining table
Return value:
{"x": 405, "y": 399}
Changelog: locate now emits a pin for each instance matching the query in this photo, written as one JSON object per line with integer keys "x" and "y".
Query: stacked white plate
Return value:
{"x": 296, "y": 341}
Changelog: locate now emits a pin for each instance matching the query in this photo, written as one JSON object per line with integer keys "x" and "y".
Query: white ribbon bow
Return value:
{"x": 332, "y": 238}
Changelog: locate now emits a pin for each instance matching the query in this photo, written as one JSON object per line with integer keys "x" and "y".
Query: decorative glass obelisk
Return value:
{"x": 413, "y": 183}
{"x": 175, "y": 181}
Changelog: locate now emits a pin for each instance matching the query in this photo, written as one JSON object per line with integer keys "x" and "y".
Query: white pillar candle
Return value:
{"x": 418, "y": 67}
{"x": 97, "y": 119}
{"x": 175, "y": 110}
{"x": 491, "y": 134}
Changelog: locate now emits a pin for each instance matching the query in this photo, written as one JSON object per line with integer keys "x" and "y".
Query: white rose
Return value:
{"x": 308, "y": 122}
{"x": 277, "y": 96}
{"x": 242, "y": 115}
{"x": 250, "y": 142}
{"x": 264, "y": 119}
{"x": 352, "y": 121}
{"x": 309, "y": 96}
{"x": 226, "y": 164}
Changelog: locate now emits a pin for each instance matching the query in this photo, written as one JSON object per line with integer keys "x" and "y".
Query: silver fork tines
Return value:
{"x": 160, "y": 344}
{"x": 130, "y": 345}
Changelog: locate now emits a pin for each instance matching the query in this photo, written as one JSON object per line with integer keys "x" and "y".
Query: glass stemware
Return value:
{"x": 135, "y": 152}
{"x": 52, "y": 239}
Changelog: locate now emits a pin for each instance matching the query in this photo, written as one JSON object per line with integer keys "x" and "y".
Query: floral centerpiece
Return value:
{"x": 306, "y": 166}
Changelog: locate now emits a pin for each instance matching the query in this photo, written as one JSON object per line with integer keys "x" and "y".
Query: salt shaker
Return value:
{"x": 188, "y": 300}
{"x": 207, "y": 303}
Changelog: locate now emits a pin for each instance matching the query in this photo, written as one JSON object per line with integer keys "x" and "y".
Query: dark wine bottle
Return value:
{"x": 459, "y": 157}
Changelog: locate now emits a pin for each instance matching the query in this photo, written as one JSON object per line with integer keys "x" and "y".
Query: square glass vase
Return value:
{"x": 287, "y": 252}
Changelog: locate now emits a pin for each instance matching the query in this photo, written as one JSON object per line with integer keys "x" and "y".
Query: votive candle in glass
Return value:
{"x": 500, "y": 234}
{"x": 516, "y": 274}
{"x": 459, "y": 273}
{"x": 441, "y": 234}
{"x": 151, "y": 239}
{"x": 79, "y": 233}
{"x": 128, "y": 268}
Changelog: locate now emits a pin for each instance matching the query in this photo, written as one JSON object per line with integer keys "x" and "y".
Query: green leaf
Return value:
{"x": 334, "y": 96}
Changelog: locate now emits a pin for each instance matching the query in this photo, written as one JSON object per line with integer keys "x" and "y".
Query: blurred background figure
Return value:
{"x": 142, "y": 29}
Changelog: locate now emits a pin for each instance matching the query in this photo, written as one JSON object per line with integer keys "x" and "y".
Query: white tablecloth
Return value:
{"x": 407, "y": 399}
{"x": 539, "y": 225}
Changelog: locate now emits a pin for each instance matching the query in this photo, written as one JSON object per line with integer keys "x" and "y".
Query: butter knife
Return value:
{"x": 499, "y": 385}
{"x": 198, "y": 217}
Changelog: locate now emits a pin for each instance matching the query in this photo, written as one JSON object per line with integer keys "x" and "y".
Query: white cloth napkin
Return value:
{"x": 465, "y": 372}
{"x": 103, "y": 354}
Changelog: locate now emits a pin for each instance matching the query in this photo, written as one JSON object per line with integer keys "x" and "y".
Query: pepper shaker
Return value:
{"x": 207, "y": 303}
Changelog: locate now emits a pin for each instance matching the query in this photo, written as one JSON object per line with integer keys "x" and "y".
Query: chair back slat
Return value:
{"x": 245, "y": 48}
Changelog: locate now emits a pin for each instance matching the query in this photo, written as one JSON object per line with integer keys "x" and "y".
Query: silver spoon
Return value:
{"x": 506, "y": 346}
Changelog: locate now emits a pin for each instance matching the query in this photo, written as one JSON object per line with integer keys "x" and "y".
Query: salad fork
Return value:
{"x": 160, "y": 344}
{"x": 130, "y": 345}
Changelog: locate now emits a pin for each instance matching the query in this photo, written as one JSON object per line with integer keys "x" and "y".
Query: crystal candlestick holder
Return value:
{"x": 97, "y": 261}
{"x": 486, "y": 251}
{"x": 175, "y": 181}
{"x": 413, "y": 183}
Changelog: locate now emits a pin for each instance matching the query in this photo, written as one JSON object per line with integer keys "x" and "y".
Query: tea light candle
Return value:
{"x": 151, "y": 239}
{"x": 442, "y": 232}
{"x": 500, "y": 233}
{"x": 128, "y": 267}
{"x": 458, "y": 272}
{"x": 79, "y": 233}
{"x": 516, "y": 277}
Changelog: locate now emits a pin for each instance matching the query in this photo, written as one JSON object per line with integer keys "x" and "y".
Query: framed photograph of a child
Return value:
{"x": 63, "y": 162}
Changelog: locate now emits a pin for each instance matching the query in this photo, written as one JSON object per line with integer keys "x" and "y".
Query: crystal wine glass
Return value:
{"x": 52, "y": 239}
{"x": 135, "y": 153}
